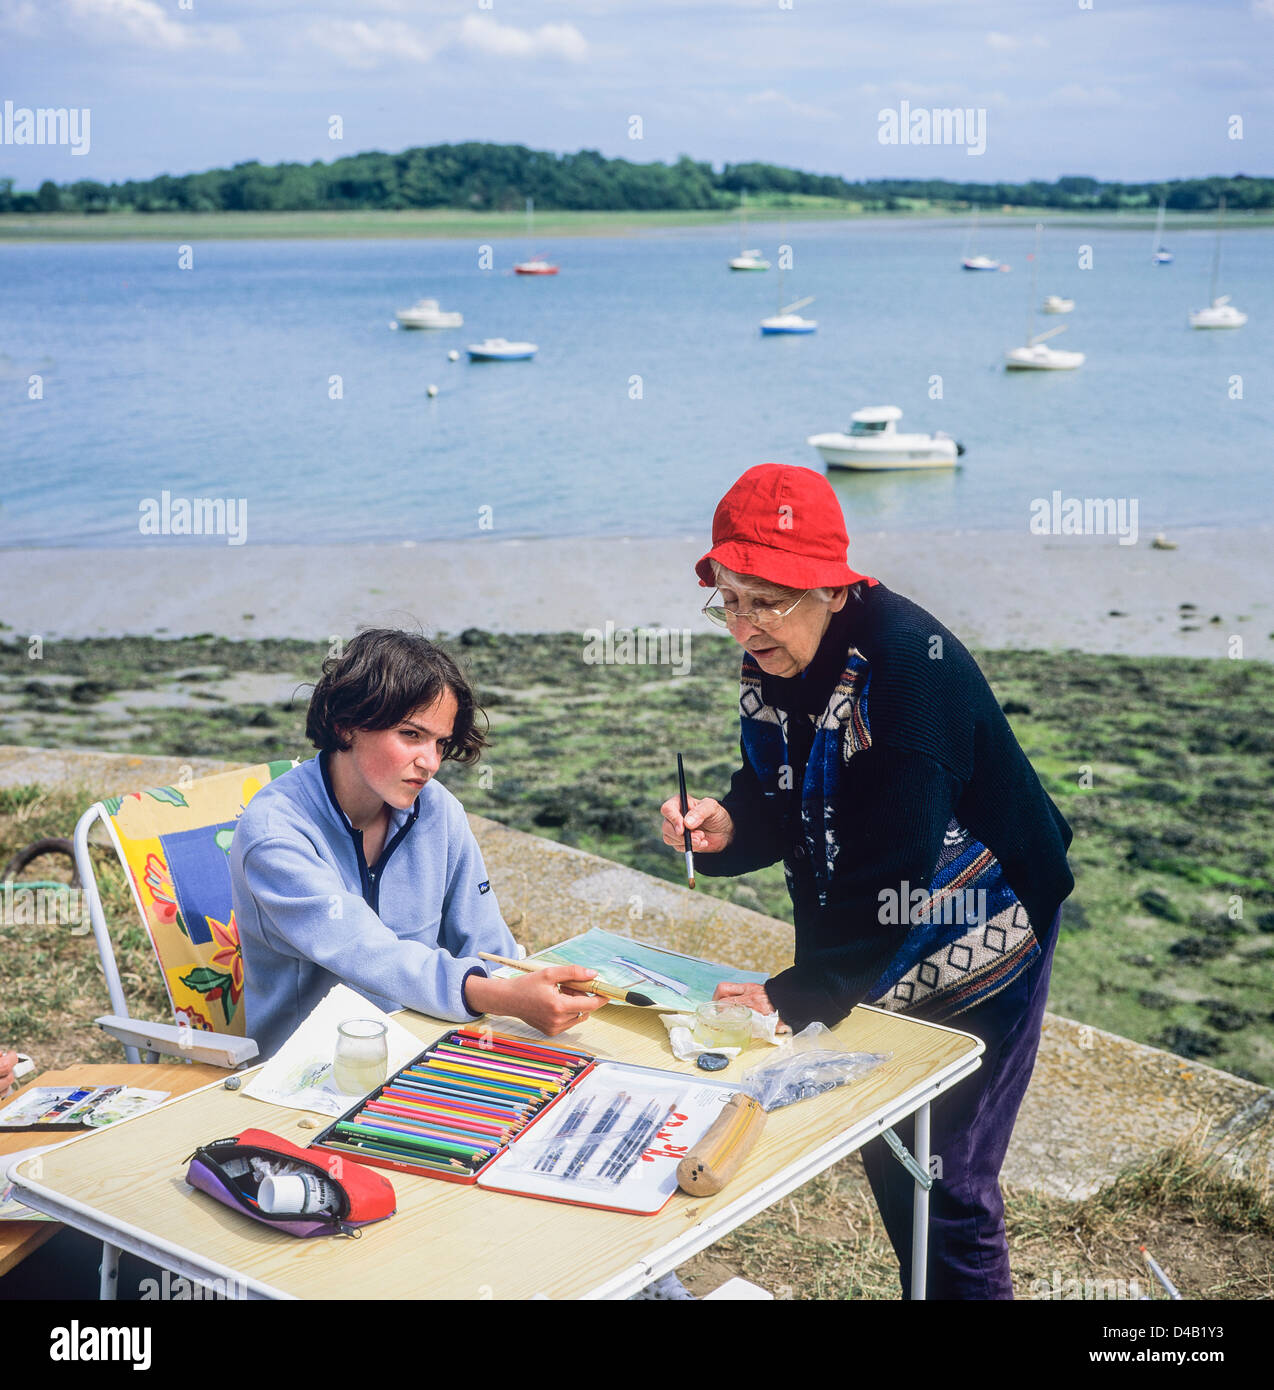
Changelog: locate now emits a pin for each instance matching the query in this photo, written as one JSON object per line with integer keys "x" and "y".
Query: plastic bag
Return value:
{"x": 807, "y": 1067}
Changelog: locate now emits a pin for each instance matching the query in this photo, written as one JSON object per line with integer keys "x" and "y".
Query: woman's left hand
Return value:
{"x": 750, "y": 994}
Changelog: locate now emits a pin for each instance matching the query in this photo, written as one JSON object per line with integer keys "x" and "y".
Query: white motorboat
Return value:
{"x": 746, "y": 259}
{"x": 500, "y": 350}
{"x": 749, "y": 260}
{"x": 977, "y": 262}
{"x": 425, "y": 313}
{"x": 1055, "y": 304}
{"x": 1160, "y": 255}
{"x": 1035, "y": 356}
{"x": 873, "y": 442}
{"x": 1220, "y": 313}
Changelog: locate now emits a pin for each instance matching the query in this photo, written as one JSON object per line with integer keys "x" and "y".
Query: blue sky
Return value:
{"x": 1126, "y": 89}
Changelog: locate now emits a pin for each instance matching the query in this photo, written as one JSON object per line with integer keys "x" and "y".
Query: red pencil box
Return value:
{"x": 329, "y": 1141}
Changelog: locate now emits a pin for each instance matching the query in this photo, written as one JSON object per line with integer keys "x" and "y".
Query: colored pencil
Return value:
{"x": 424, "y": 1107}
{"x": 441, "y": 1067}
{"x": 449, "y": 1165}
{"x": 489, "y": 1072}
{"x": 619, "y": 996}
{"x": 486, "y": 1040}
{"x": 525, "y": 1086}
{"x": 435, "y": 1121}
{"x": 467, "y": 1047}
{"x": 359, "y": 1127}
{"x": 476, "y": 1086}
{"x": 407, "y": 1128}
{"x": 685, "y": 829}
{"x": 472, "y": 1100}
{"x": 521, "y": 1065}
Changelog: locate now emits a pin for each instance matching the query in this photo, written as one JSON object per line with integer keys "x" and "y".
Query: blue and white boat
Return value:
{"x": 787, "y": 320}
{"x": 500, "y": 350}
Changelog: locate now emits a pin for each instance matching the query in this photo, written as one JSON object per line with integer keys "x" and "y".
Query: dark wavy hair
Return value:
{"x": 376, "y": 682}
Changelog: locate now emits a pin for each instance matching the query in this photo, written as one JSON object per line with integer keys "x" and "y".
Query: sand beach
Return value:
{"x": 993, "y": 590}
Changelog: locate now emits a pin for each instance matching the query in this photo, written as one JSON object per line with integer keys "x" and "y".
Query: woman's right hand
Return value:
{"x": 8, "y": 1060}
{"x": 711, "y": 829}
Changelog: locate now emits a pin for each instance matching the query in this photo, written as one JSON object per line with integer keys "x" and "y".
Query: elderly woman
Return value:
{"x": 926, "y": 864}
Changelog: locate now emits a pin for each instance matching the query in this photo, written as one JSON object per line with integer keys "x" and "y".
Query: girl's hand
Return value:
{"x": 8, "y": 1060}
{"x": 751, "y": 994}
{"x": 711, "y": 829}
{"x": 535, "y": 998}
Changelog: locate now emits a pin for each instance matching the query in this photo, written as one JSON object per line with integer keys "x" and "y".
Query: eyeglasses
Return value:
{"x": 758, "y": 617}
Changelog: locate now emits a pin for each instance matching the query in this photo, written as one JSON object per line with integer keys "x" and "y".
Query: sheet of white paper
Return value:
{"x": 10, "y": 1208}
{"x": 299, "y": 1075}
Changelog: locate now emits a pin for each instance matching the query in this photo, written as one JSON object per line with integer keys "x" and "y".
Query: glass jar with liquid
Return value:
{"x": 720, "y": 1024}
{"x": 361, "y": 1060}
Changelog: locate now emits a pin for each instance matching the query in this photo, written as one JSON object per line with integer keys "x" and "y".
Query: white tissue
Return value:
{"x": 685, "y": 1048}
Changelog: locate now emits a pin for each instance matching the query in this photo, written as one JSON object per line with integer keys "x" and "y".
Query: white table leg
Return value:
{"x": 920, "y": 1209}
{"x": 110, "y": 1271}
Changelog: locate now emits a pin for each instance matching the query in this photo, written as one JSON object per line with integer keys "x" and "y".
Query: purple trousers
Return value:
{"x": 970, "y": 1127}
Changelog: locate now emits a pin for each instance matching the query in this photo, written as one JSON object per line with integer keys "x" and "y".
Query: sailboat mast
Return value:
{"x": 1216, "y": 253}
{"x": 1158, "y": 229}
{"x": 1035, "y": 283}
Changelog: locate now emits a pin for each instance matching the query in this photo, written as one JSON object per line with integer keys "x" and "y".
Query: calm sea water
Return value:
{"x": 216, "y": 382}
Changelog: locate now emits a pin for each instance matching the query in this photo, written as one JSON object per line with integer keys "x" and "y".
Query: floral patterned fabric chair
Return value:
{"x": 174, "y": 844}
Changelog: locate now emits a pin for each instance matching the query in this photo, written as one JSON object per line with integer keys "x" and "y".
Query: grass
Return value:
{"x": 1210, "y": 1230}
{"x": 456, "y": 222}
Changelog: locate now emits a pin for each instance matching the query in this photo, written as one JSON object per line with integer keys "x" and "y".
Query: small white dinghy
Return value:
{"x": 500, "y": 350}
{"x": 874, "y": 442}
{"x": 425, "y": 313}
{"x": 1055, "y": 304}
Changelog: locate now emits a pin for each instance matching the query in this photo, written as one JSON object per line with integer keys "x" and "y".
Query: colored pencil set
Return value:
{"x": 451, "y": 1110}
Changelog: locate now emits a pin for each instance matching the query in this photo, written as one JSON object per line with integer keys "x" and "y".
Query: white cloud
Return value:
{"x": 1010, "y": 43}
{"x": 1074, "y": 94}
{"x": 506, "y": 41}
{"x": 363, "y": 45}
{"x": 772, "y": 97}
{"x": 20, "y": 17}
{"x": 146, "y": 23}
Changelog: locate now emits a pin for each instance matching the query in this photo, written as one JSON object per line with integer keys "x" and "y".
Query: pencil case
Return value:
{"x": 335, "y": 1198}
{"x": 384, "y": 1132}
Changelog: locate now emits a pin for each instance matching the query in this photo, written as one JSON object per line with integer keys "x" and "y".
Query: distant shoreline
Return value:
{"x": 994, "y": 590}
{"x": 449, "y": 222}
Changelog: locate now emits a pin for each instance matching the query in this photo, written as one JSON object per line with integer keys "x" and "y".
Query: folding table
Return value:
{"x": 125, "y": 1185}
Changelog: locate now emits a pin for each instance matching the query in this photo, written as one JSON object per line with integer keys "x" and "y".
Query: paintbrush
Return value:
{"x": 619, "y": 996}
{"x": 685, "y": 806}
{"x": 1169, "y": 1287}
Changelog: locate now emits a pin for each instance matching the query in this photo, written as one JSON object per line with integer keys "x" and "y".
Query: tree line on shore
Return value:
{"x": 479, "y": 177}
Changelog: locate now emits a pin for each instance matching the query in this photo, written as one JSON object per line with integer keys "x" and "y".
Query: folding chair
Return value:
{"x": 174, "y": 844}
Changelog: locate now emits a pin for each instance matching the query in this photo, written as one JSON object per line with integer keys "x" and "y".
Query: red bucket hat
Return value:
{"x": 782, "y": 524}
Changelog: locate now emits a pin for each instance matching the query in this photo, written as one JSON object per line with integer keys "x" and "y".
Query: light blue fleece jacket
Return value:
{"x": 312, "y": 913}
